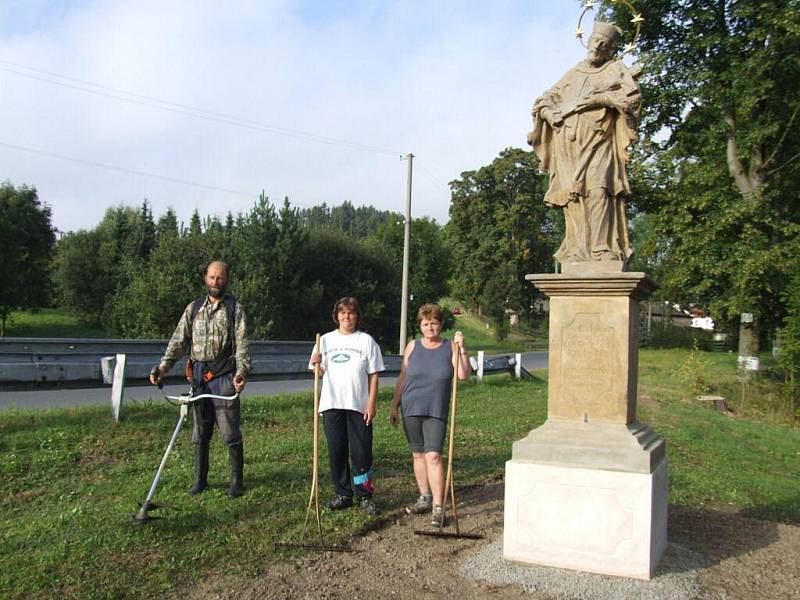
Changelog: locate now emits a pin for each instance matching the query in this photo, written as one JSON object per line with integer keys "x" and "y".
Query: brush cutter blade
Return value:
{"x": 154, "y": 506}
{"x": 142, "y": 518}
{"x": 443, "y": 534}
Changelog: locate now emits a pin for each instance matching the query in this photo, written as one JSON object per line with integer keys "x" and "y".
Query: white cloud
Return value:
{"x": 452, "y": 82}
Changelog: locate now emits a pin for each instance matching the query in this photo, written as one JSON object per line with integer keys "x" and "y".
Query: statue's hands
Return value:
{"x": 553, "y": 118}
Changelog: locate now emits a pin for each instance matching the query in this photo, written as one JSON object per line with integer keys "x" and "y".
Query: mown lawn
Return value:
{"x": 69, "y": 480}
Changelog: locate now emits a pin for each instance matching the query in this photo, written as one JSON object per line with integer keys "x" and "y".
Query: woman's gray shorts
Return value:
{"x": 425, "y": 434}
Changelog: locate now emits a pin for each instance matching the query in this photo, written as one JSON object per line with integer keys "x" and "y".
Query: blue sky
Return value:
{"x": 201, "y": 105}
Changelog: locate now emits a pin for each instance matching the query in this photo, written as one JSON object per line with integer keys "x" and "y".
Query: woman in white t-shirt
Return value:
{"x": 350, "y": 361}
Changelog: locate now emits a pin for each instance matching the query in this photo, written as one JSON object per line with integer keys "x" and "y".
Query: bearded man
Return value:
{"x": 582, "y": 128}
{"x": 213, "y": 329}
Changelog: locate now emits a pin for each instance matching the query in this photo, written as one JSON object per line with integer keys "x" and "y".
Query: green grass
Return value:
{"x": 479, "y": 337}
{"x": 749, "y": 461}
{"x": 49, "y": 323}
{"x": 69, "y": 480}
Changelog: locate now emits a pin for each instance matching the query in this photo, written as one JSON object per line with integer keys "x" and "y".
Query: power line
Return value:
{"x": 184, "y": 109}
{"x": 431, "y": 177}
{"x": 99, "y": 165}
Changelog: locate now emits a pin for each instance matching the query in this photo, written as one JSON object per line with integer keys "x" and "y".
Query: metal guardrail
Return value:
{"x": 70, "y": 361}
{"x": 486, "y": 365}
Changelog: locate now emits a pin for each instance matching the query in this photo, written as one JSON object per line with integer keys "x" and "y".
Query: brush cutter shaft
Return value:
{"x": 178, "y": 427}
{"x": 184, "y": 400}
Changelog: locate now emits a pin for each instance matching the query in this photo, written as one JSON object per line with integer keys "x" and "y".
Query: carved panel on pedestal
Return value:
{"x": 587, "y": 365}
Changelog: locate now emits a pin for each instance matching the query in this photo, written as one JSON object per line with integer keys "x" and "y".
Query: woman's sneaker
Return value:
{"x": 339, "y": 502}
{"x": 436, "y": 517}
{"x": 421, "y": 506}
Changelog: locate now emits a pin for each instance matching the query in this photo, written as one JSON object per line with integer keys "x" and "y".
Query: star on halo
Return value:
{"x": 637, "y": 18}
{"x": 590, "y": 4}
{"x": 579, "y": 33}
{"x": 629, "y": 48}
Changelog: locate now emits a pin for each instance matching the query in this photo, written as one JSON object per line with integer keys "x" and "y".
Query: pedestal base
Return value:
{"x": 595, "y": 520}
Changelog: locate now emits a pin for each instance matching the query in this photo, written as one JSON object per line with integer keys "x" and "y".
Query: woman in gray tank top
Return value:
{"x": 423, "y": 390}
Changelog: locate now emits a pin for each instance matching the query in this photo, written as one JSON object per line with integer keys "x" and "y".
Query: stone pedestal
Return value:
{"x": 588, "y": 489}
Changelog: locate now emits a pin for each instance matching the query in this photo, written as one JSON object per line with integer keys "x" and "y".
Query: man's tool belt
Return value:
{"x": 217, "y": 369}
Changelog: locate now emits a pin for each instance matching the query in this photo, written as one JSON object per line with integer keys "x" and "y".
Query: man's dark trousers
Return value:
{"x": 227, "y": 416}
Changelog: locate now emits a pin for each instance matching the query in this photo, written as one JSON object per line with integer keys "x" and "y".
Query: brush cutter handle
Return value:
{"x": 188, "y": 398}
{"x": 156, "y": 377}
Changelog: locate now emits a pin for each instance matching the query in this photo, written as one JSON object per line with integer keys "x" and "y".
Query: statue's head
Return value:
{"x": 602, "y": 43}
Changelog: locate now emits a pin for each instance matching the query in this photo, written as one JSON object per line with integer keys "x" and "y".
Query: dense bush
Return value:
{"x": 673, "y": 336}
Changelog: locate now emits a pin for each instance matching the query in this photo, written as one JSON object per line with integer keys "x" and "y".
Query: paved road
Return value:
{"x": 534, "y": 361}
{"x": 66, "y": 398}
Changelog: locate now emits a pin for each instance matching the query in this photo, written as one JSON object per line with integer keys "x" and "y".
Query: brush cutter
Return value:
{"x": 450, "y": 486}
{"x": 183, "y": 401}
{"x": 313, "y": 499}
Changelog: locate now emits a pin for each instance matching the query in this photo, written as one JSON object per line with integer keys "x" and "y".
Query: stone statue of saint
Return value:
{"x": 582, "y": 128}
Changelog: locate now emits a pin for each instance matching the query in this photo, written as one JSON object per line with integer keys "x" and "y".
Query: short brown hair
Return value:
{"x": 349, "y": 303}
{"x": 222, "y": 264}
{"x": 430, "y": 312}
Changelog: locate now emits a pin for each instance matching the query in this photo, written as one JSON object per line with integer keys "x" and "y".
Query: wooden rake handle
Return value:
{"x": 449, "y": 486}
{"x": 313, "y": 499}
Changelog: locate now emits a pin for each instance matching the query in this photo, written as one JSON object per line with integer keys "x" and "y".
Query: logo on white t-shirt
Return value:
{"x": 340, "y": 358}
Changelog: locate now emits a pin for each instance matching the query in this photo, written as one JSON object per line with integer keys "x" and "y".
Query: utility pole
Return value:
{"x": 406, "y": 251}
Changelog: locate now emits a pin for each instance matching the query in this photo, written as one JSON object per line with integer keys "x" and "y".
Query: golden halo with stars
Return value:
{"x": 637, "y": 21}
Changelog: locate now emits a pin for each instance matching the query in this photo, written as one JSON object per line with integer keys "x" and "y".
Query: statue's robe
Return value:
{"x": 586, "y": 155}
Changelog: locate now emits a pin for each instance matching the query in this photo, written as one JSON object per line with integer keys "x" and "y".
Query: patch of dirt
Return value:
{"x": 24, "y": 498}
{"x": 97, "y": 458}
{"x": 649, "y": 402}
{"x": 747, "y": 558}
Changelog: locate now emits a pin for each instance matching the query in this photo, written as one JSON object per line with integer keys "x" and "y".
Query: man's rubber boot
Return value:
{"x": 236, "y": 454}
{"x": 200, "y": 469}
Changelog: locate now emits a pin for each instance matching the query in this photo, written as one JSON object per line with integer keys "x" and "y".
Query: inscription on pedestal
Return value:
{"x": 587, "y": 370}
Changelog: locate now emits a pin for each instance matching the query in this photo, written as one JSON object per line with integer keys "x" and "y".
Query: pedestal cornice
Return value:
{"x": 633, "y": 285}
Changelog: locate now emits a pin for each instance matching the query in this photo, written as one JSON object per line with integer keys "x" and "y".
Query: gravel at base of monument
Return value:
{"x": 713, "y": 554}
{"x": 676, "y": 579}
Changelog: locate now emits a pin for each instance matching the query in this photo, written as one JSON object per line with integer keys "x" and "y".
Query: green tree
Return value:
{"x": 500, "y": 230}
{"x": 84, "y": 274}
{"x": 91, "y": 266}
{"x": 157, "y": 293}
{"x": 167, "y": 225}
{"x": 789, "y": 357}
{"x": 430, "y": 260}
{"x": 28, "y": 239}
{"x": 255, "y": 239}
{"x": 151, "y": 294}
{"x": 720, "y": 77}
{"x": 359, "y": 223}
{"x": 145, "y": 232}
{"x": 293, "y": 294}
{"x": 335, "y": 265}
